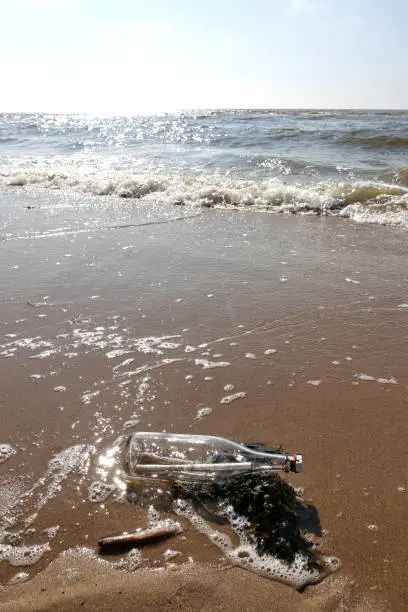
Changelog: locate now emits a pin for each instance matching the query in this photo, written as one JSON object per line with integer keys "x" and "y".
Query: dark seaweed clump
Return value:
{"x": 276, "y": 516}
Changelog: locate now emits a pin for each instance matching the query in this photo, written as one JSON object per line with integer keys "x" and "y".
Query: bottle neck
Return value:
{"x": 271, "y": 457}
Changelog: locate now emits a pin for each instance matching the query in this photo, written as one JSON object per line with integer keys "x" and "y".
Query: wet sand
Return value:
{"x": 306, "y": 316}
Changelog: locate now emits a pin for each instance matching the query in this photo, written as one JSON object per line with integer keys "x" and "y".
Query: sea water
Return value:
{"x": 350, "y": 163}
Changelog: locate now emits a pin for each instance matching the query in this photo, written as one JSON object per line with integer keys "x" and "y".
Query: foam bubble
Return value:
{"x": 19, "y": 577}
{"x": 131, "y": 423}
{"x": 6, "y": 451}
{"x": 73, "y": 458}
{"x": 125, "y": 362}
{"x": 202, "y": 412}
{"x": 22, "y": 555}
{"x": 99, "y": 491}
{"x": 155, "y": 522}
{"x": 352, "y": 280}
{"x": 230, "y": 398}
{"x": 88, "y": 395}
{"x": 51, "y": 532}
{"x": 207, "y": 365}
{"x": 384, "y": 381}
{"x": 169, "y": 345}
{"x": 44, "y": 354}
{"x": 171, "y": 554}
{"x": 71, "y": 563}
{"x": 133, "y": 560}
{"x": 365, "y": 377}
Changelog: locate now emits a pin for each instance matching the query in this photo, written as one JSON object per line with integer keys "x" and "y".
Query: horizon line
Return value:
{"x": 207, "y": 109}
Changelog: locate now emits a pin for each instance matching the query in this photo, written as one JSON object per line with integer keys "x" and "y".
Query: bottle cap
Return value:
{"x": 296, "y": 463}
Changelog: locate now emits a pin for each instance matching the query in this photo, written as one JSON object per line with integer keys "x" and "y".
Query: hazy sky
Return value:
{"x": 124, "y": 56}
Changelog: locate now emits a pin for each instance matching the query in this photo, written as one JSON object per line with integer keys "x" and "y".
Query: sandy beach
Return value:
{"x": 137, "y": 328}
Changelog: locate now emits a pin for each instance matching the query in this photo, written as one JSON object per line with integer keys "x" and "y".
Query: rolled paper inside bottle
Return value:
{"x": 156, "y": 468}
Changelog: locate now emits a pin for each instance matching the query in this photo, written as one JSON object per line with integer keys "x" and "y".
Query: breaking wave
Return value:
{"x": 373, "y": 202}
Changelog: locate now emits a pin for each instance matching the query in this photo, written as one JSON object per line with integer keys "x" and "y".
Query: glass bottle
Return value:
{"x": 195, "y": 458}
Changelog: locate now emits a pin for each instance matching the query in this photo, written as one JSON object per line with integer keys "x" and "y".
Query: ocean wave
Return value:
{"x": 398, "y": 176}
{"x": 324, "y": 114}
{"x": 326, "y": 134}
{"x": 361, "y": 201}
{"x": 378, "y": 140}
{"x": 123, "y": 188}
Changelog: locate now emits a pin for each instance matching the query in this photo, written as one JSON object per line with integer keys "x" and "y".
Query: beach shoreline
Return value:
{"x": 305, "y": 317}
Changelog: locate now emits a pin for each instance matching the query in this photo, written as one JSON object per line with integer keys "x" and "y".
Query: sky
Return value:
{"x": 142, "y": 56}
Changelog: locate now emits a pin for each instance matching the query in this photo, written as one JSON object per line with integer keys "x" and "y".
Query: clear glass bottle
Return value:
{"x": 196, "y": 458}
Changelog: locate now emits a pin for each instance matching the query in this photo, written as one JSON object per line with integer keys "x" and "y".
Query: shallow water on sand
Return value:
{"x": 290, "y": 330}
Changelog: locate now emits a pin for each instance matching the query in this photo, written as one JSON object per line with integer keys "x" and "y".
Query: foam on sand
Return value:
{"x": 297, "y": 574}
{"x": 22, "y": 555}
{"x": 6, "y": 451}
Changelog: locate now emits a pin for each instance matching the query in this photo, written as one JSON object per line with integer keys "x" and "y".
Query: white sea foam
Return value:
{"x": 44, "y": 354}
{"x": 368, "y": 377}
{"x": 234, "y": 396}
{"x": 19, "y": 577}
{"x": 189, "y": 348}
{"x": 133, "y": 560}
{"x": 296, "y": 574}
{"x": 18, "y": 556}
{"x": 208, "y": 365}
{"x": 88, "y": 396}
{"x": 171, "y": 554}
{"x": 202, "y": 412}
{"x": 51, "y": 532}
{"x": 99, "y": 491}
{"x": 372, "y": 202}
{"x": 112, "y": 340}
{"x": 6, "y": 451}
{"x": 73, "y": 459}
